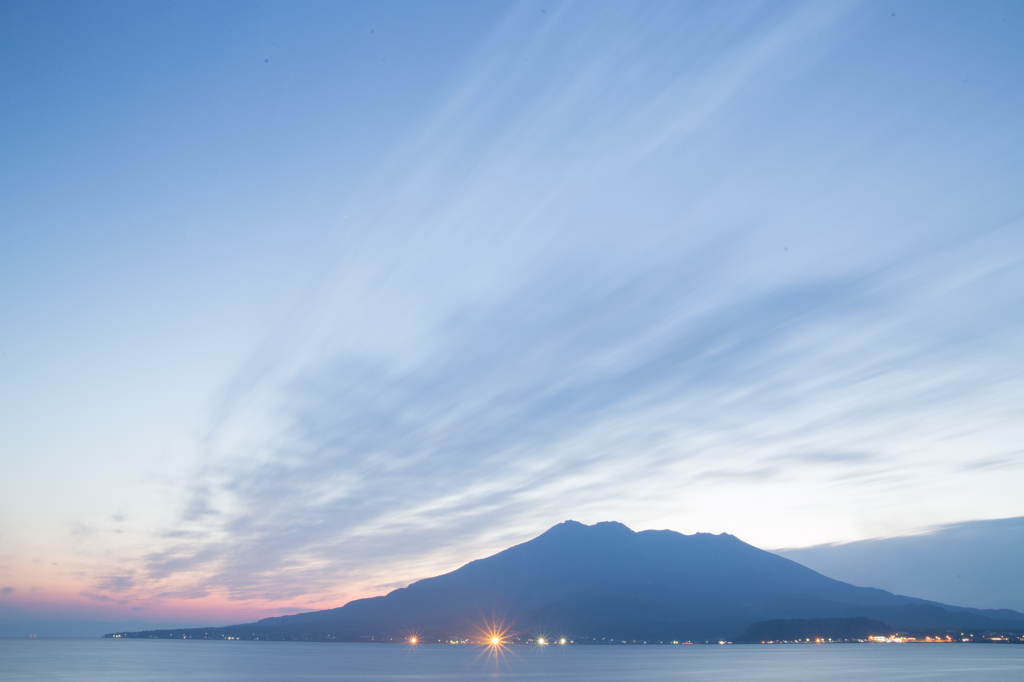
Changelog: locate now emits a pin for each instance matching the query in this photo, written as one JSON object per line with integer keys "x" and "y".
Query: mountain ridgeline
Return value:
{"x": 608, "y": 583}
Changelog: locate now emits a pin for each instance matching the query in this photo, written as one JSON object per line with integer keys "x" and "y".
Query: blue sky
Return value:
{"x": 300, "y": 303}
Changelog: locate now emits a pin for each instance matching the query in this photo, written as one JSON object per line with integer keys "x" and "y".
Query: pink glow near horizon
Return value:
{"x": 216, "y": 609}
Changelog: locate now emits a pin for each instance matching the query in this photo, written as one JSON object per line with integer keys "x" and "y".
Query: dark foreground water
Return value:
{"x": 112, "y": 660}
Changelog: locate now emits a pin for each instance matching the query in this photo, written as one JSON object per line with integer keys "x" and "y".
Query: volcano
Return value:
{"x": 608, "y": 583}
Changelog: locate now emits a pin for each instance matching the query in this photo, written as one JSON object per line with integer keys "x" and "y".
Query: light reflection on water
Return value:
{"x": 159, "y": 660}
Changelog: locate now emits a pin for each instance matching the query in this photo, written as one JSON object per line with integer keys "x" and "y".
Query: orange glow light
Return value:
{"x": 494, "y": 636}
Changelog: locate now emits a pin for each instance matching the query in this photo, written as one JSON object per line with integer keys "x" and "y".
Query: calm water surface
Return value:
{"x": 159, "y": 660}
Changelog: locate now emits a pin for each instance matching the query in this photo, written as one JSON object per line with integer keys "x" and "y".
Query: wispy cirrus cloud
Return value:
{"x": 651, "y": 263}
{"x": 521, "y": 419}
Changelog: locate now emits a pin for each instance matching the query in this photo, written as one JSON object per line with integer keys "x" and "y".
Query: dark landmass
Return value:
{"x": 815, "y": 630}
{"x": 976, "y": 562}
{"x": 607, "y": 584}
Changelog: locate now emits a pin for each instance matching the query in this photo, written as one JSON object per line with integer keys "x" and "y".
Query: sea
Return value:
{"x": 140, "y": 660}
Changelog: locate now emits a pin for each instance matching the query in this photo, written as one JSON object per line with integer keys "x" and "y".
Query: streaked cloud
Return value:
{"x": 753, "y": 268}
{"x": 578, "y": 293}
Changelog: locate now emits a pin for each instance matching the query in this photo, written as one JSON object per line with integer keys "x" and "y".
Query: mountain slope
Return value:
{"x": 607, "y": 581}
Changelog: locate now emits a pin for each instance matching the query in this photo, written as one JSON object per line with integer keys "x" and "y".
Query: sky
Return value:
{"x": 302, "y": 302}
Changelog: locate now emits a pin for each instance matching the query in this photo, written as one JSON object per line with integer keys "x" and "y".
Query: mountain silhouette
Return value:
{"x": 606, "y": 582}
